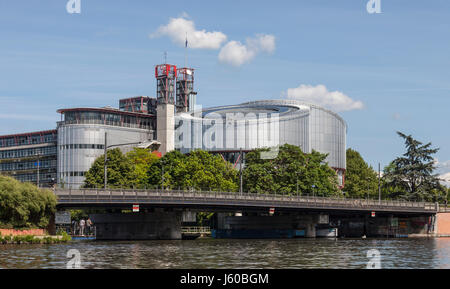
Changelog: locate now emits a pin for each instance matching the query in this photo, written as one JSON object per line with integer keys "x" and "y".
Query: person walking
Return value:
{"x": 82, "y": 225}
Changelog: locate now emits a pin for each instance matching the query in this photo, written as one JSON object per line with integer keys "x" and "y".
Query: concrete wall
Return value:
{"x": 142, "y": 226}
{"x": 34, "y": 232}
{"x": 165, "y": 127}
{"x": 443, "y": 224}
{"x": 283, "y": 226}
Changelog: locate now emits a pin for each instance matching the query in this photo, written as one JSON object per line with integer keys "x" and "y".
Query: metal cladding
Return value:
{"x": 81, "y": 138}
{"x": 30, "y": 157}
{"x": 266, "y": 123}
{"x": 166, "y": 75}
{"x": 185, "y": 89}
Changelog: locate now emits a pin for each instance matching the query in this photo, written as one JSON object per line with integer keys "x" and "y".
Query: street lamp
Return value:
{"x": 297, "y": 182}
{"x": 446, "y": 191}
{"x": 145, "y": 144}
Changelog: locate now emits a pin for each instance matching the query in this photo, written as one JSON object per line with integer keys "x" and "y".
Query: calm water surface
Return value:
{"x": 231, "y": 254}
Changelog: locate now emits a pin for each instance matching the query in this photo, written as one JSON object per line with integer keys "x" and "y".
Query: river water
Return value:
{"x": 233, "y": 254}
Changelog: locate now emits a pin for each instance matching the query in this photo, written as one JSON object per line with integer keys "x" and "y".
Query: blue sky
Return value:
{"x": 395, "y": 64}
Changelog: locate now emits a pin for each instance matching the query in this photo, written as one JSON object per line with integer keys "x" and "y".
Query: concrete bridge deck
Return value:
{"x": 230, "y": 201}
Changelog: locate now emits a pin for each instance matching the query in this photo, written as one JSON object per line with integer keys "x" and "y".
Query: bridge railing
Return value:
{"x": 196, "y": 230}
{"x": 192, "y": 195}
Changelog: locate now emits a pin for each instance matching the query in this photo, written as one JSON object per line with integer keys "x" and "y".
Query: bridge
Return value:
{"x": 246, "y": 215}
{"x": 229, "y": 201}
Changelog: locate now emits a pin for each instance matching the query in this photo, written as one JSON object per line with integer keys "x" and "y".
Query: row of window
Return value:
{"x": 30, "y": 165}
{"x": 73, "y": 174}
{"x": 43, "y": 178}
{"x": 21, "y": 153}
{"x": 109, "y": 119}
{"x": 27, "y": 140}
{"x": 82, "y": 146}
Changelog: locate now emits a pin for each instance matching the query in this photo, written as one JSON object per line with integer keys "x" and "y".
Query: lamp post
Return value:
{"x": 446, "y": 191}
{"x": 145, "y": 144}
{"x": 379, "y": 183}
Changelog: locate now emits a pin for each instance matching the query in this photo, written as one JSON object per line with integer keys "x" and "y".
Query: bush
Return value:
{"x": 23, "y": 205}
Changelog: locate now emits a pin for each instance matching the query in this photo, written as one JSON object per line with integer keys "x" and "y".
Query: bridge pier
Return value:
{"x": 253, "y": 225}
{"x": 158, "y": 225}
{"x": 310, "y": 230}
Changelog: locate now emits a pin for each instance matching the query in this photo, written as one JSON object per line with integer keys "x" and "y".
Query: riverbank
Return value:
{"x": 33, "y": 239}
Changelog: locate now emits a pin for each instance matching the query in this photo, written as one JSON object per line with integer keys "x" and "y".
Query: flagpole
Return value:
{"x": 185, "y": 52}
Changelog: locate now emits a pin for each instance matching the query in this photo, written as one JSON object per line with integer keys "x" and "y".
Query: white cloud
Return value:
{"x": 177, "y": 28}
{"x": 445, "y": 179}
{"x": 235, "y": 53}
{"x": 262, "y": 42}
{"x": 334, "y": 100}
{"x": 443, "y": 170}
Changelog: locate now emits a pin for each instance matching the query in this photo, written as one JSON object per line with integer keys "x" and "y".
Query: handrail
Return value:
{"x": 123, "y": 194}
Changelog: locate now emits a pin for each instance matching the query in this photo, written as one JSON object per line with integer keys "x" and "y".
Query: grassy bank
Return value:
{"x": 30, "y": 239}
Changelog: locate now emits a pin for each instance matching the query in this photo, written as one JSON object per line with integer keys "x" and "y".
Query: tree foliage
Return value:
{"x": 290, "y": 170}
{"x": 23, "y": 205}
{"x": 119, "y": 169}
{"x": 360, "y": 178}
{"x": 199, "y": 170}
{"x": 411, "y": 176}
{"x": 142, "y": 169}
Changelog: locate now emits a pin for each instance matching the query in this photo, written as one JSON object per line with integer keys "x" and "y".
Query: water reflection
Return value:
{"x": 211, "y": 253}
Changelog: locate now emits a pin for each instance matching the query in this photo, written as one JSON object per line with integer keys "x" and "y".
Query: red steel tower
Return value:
{"x": 165, "y": 87}
{"x": 185, "y": 88}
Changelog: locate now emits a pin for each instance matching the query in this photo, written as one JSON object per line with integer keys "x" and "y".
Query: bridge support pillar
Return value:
{"x": 158, "y": 225}
{"x": 310, "y": 230}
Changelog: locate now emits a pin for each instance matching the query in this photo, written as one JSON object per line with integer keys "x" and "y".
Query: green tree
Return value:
{"x": 290, "y": 171}
{"x": 411, "y": 175}
{"x": 119, "y": 169}
{"x": 23, "y": 205}
{"x": 141, "y": 160}
{"x": 360, "y": 178}
{"x": 168, "y": 171}
{"x": 199, "y": 170}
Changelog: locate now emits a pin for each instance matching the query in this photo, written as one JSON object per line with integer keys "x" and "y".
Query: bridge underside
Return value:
{"x": 248, "y": 215}
{"x": 165, "y": 222}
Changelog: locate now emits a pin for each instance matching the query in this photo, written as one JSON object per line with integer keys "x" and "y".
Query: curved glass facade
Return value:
{"x": 81, "y": 139}
{"x": 109, "y": 117}
{"x": 265, "y": 124}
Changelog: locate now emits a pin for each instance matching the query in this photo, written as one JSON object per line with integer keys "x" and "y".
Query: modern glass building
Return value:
{"x": 66, "y": 154}
{"x": 81, "y": 138}
{"x": 228, "y": 130}
{"x": 30, "y": 157}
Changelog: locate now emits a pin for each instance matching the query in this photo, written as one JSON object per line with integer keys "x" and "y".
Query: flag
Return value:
{"x": 186, "y": 43}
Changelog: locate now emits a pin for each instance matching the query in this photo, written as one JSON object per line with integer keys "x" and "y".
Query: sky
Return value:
{"x": 382, "y": 72}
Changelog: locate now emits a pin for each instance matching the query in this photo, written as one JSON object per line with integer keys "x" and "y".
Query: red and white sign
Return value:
{"x": 135, "y": 208}
{"x": 373, "y": 214}
{"x": 272, "y": 211}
